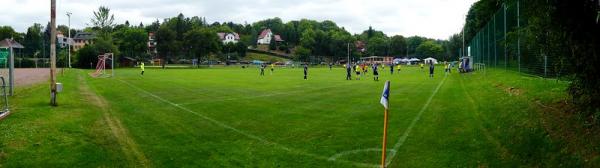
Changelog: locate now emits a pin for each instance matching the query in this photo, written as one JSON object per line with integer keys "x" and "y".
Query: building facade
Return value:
{"x": 63, "y": 42}
{"x": 82, "y": 39}
{"x": 265, "y": 37}
{"x": 377, "y": 60}
{"x": 229, "y": 37}
{"x": 152, "y": 44}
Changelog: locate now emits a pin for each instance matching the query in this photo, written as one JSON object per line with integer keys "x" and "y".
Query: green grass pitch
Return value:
{"x": 232, "y": 117}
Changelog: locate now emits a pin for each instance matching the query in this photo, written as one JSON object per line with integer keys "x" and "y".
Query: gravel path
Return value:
{"x": 29, "y": 76}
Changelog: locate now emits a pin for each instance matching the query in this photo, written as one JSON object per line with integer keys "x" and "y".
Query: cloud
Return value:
{"x": 430, "y": 18}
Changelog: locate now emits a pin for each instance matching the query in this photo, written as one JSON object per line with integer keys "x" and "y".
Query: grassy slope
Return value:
{"x": 281, "y": 120}
{"x": 250, "y": 56}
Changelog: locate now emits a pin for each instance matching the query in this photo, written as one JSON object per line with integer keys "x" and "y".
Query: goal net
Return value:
{"x": 4, "y": 110}
{"x": 105, "y": 66}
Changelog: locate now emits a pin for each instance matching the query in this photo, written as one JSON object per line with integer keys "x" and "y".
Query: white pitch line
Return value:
{"x": 338, "y": 155}
{"x": 205, "y": 117}
{"x": 412, "y": 124}
{"x": 266, "y": 95}
{"x": 244, "y": 133}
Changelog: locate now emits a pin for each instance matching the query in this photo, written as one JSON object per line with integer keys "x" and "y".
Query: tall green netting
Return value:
{"x": 500, "y": 44}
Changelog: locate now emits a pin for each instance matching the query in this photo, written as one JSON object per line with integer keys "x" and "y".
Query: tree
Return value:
{"x": 413, "y": 42}
{"x": 454, "y": 47}
{"x": 302, "y": 54}
{"x": 273, "y": 43}
{"x": 103, "y": 20}
{"x": 339, "y": 44}
{"x": 106, "y": 45}
{"x": 63, "y": 29}
{"x": 321, "y": 45}
{"x": 577, "y": 22}
{"x": 308, "y": 39}
{"x": 429, "y": 49}
{"x": 7, "y": 32}
{"x": 33, "y": 41}
{"x": 87, "y": 57}
{"x": 370, "y": 33}
{"x": 165, "y": 39}
{"x": 283, "y": 47}
{"x": 398, "y": 45}
{"x": 153, "y": 27}
{"x": 132, "y": 42}
{"x": 202, "y": 42}
{"x": 227, "y": 49}
{"x": 241, "y": 48}
{"x": 377, "y": 46}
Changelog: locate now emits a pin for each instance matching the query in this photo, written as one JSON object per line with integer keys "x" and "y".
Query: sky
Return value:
{"x": 436, "y": 19}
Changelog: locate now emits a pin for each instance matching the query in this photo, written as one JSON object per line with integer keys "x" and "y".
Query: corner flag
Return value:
{"x": 385, "y": 95}
{"x": 384, "y": 101}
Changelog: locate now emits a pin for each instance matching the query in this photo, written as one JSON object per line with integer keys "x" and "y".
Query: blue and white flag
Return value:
{"x": 385, "y": 95}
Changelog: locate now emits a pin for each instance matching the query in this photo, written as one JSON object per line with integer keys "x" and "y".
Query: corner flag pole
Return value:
{"x": 385, "y": 125}
{"x": 384, "y": 101}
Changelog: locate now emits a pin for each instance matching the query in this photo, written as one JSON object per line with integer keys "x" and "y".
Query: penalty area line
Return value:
{"x": 221, "y": 124}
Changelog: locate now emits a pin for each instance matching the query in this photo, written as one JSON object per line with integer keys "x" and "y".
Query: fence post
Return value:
{"x": 519, "y": 32}
{"x": 505, "y": 46}
{"x": 545, "y": 65}
{"x": 495, "y": 44}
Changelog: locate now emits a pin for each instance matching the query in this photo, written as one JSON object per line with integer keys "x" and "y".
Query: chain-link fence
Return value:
{"x": 500, "y": 44}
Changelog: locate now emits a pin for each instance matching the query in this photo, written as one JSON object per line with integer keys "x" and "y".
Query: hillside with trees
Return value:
{"x": 185, "y": 38}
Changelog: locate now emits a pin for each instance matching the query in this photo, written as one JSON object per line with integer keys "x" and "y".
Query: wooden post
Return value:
{"x": 53, "y": 53}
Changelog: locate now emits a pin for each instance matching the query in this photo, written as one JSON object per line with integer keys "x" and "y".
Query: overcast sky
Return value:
{"x": 430, "y": 18}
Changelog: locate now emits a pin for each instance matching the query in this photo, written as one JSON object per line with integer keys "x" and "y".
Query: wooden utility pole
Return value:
{"x": 53, "y": 53}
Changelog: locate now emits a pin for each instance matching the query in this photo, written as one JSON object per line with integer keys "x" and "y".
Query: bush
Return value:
{"x": 87, "y": 57}
{"x": 24, "y": 63}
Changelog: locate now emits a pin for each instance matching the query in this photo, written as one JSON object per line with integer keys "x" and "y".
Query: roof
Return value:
{"x": 222, "y": 35}
{"x": 360, "y": 45}
{"x": 267, "y": 31}
{"x": 278, "y": 38}
{"x": 84, "y": 36}
{"x": 10, "y": 43}
{"x": 264, "y": 33}
{"x": 127, "y": 58}
{"x": 372, "y": 57}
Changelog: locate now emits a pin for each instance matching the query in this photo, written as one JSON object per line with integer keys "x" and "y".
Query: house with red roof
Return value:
{"x": 265, "y": 37}
{"x": 229, "y": 37}
{"x": 360, "y": 45}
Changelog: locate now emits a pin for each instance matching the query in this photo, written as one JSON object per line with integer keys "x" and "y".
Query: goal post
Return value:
{"x": 101, "y": 66}
{"x": 4, "y": 110}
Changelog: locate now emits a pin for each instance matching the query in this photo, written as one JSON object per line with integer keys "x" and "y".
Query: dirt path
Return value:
{"x": 25, "y": 77}
{"x": 131, "y": 150}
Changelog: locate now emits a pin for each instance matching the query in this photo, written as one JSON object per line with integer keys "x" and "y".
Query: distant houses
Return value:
{"x": 152, "y": 44}
{"x": 360, "y": 46}
{"x": 229, "y": 37}
{"x": 63, "y": 41}
{"x": 265, "y": 37}
{"x": 82, "y": 39}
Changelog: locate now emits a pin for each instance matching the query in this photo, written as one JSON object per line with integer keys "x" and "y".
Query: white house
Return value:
{"x": 63, "y": 41}
{"x": 266, "y": 36}
{"x": 229, "y": 37}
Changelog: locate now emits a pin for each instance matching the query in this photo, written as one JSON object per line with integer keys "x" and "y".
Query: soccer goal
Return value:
{"x": 101, "y": 67}
{"x": 4, "y": 110}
